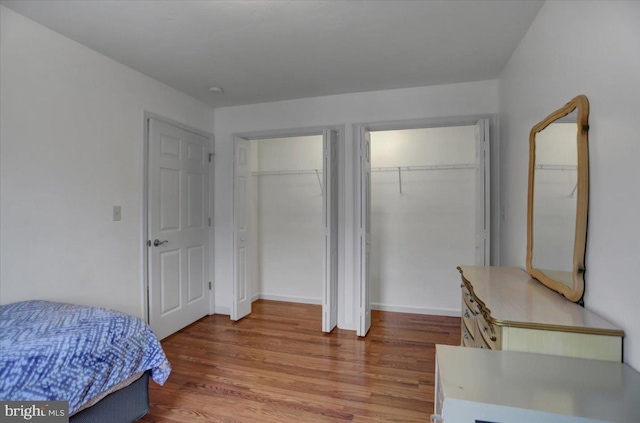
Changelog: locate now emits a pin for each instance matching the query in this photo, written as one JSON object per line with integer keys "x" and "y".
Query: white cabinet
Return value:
{"x": 475, "y": 385}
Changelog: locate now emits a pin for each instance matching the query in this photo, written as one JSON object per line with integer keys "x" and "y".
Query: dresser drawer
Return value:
{"x": 468, "y": 317}
{"x": 469, "y": 327}
{"x": 490, "y": 333}
{"x": 481, "y": 343}
{"x": 467, "y": 339}
{"x": 469, "y": 300}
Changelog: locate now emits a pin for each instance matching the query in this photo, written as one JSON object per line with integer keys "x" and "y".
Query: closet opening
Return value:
{"x": 285, "y": 211}
{"x": 425, "y": 202}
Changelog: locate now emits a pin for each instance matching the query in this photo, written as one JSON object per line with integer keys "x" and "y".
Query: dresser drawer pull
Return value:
{"x": 492, "y": 335}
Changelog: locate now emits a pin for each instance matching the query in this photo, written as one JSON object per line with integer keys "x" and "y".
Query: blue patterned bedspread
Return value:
{"x": 51, "y": 351}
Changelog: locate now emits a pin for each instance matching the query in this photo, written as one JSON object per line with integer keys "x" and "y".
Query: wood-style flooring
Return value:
{"x": 276, "y": 365}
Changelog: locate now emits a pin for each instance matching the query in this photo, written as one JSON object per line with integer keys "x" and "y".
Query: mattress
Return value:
{"x": 63, "y": 352}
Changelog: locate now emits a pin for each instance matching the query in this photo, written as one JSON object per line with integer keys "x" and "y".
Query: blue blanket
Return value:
{"x": 51, "y": 351}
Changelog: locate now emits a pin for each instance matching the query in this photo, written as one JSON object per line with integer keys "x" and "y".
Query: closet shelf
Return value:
{"x": 398, "y": 169}
{"x": 401, "y": 169}
{"x": 316, "y": 172}
{"x": 424, "y": 167}
{"x": 555, "y": 167}
{"x": 373, "y": 169}
{"x": 559, "y": 167}
{"x": 287, "y": 172}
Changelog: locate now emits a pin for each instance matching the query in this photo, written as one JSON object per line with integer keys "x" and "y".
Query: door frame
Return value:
{"x": 492, "y": 173}
{"x": 298, "y": 132}
{"x": 144, "y": 218}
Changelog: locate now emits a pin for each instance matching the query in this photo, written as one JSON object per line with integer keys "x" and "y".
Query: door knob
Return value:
{"x": 157, "y": 242}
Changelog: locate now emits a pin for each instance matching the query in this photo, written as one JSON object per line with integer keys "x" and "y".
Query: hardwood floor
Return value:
{"x": 276, "y": 365}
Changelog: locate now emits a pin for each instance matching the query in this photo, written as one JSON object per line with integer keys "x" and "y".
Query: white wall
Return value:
{"x": 291, "y": 234}
{"x": 590, "y": 48}
{"x": 72, "y": 144}
{"x": 381, "y": 106}
{"x": 421, "y": 235}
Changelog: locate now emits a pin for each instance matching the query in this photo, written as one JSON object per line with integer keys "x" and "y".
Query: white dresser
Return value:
{"x": 474, "y": 385}
{"x": 503, "y": 308}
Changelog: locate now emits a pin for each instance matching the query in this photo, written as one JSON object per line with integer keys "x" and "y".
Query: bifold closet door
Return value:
{"x": 241, "y": 303}
{"x": 364, "y": 321}
{"x": 330, "y": 220}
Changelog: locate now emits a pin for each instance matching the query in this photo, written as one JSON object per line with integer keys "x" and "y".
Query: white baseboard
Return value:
{"x": 374, "y": 306}
{"x": 273, "y": 297}
{"x": 222, "y": 310}
{"x": 288, "y": 298}
{"x": 416, "y": 310}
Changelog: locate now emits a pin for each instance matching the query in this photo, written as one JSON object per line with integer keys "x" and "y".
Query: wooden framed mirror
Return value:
{"x": 558, "y": 199}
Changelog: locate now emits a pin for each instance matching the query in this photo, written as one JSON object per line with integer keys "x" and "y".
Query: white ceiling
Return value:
{"x": 264, "y": 51}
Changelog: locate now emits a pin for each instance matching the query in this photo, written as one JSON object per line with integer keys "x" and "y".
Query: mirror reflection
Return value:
{"x": 558, "y": 199}
{"x": 555, "y": 194}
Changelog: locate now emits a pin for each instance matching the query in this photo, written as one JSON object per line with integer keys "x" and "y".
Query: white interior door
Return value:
{"x": 330, "y": 200}
{"x": 241, "y": 304}
{"x": 365, "y": 233}
{"x": 178, "y": 227}
{"x": 483, "y": 250}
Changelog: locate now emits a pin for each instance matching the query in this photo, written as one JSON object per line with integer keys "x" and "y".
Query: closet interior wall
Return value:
{"x": 423, "y": 216}
{"x": 287, "y": 218}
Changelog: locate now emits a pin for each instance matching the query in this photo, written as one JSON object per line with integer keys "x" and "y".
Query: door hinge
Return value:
{"x": 210, "y": 157}
{"x": 209, "y": 221}
{"x": 149, "y": 243}
{"x": 209, "y": 286}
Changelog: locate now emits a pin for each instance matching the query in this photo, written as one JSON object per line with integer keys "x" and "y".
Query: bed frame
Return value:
{"x": 125, "y": 405}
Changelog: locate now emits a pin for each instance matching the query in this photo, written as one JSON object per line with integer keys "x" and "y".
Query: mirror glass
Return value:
{"x": 558, "y": 199}
{"x": 554, "y": 191}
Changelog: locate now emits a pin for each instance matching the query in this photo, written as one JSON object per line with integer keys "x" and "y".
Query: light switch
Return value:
{"x": 117, "y": 213}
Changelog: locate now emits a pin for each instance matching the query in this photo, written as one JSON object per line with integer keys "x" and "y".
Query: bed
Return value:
{"x": 99, "y": 360}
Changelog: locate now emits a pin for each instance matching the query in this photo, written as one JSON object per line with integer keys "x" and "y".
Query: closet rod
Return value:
{"x": 400, "y": 169}
{"x": 316, "y": 172}
{"x": 287, "y": 172}
{"x": 556, "y": 167}
{"x": 424, "y": 167}
{"x": 373, "y": 169}
{"x": 559, "y": 167}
